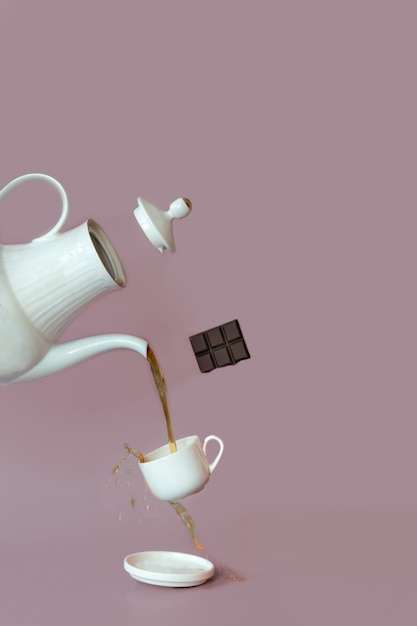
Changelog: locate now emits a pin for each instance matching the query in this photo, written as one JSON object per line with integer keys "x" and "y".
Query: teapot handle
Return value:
{"x": 64, "y": 210}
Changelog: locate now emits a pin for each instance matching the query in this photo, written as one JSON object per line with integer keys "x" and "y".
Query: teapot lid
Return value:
{"x": 157, "y": 224}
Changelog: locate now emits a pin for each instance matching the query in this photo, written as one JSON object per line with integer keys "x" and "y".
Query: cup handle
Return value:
{"x": 52, "y": 181}
{"x": 213, "y": 464}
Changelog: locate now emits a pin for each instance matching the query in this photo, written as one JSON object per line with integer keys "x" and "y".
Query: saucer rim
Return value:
{"x": 196, "y": 569}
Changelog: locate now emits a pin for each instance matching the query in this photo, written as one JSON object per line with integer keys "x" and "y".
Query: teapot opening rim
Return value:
{"x": 106, "y": 253}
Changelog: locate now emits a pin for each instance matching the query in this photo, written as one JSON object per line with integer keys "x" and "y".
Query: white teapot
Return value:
{"x": 45, "y": 283}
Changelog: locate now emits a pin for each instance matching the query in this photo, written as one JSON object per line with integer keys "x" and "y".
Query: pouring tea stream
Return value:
{"x": 45, "y": 283}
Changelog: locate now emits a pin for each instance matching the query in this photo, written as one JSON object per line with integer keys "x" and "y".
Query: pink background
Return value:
{"x": 291, "y": 125}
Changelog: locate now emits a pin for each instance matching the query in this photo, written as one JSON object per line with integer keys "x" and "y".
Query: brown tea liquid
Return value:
{"x": 188, "y": 522}
{"x": 178, "y": 507}
{"x": 162, "y": 390}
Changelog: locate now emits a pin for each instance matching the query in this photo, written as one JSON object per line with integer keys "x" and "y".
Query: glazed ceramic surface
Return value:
{"x": 168, "y": 569}
{"x": 174, "y": 476}
{"x": 44, "y": 284}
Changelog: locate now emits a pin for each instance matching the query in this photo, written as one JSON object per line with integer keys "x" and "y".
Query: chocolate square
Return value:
{"x": 215, "y": 337}
{"x": 239, "y": 351}
{"x": 205, "y": 362}
{"x": 232, "y": 330}
{"x": 222, "y": 357}
{"x": 199, "y": 343}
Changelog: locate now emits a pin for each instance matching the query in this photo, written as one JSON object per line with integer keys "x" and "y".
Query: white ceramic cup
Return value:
{"x": 174, "y": 476}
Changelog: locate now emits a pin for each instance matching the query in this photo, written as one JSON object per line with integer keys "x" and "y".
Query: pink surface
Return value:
{"x": 292, "y": 128}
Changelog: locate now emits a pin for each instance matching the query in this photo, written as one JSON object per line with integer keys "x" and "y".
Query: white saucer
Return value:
{"x": 168, "y": 569}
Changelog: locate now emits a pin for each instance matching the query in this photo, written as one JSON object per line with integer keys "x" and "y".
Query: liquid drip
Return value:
{"x": 162, "y": 390}
{"x": 188, "y": 522}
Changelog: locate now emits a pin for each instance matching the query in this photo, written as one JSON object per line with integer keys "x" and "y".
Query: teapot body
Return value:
{"x": 21, "y": 345}
{"x": 44, "y": 284}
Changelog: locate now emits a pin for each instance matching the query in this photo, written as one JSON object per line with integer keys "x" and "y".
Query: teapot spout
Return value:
{"x": 61, "y": 356}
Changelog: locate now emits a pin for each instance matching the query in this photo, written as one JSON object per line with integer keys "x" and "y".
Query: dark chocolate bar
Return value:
{"x": 219, "y": 346}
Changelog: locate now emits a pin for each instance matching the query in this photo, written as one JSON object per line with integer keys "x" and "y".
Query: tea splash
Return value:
{"x": 178, "y": 507}
{"x": 130, "y": 451}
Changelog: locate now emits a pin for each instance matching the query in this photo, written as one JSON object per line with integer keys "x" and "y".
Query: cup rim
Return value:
{"x": 165, "y": 448}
